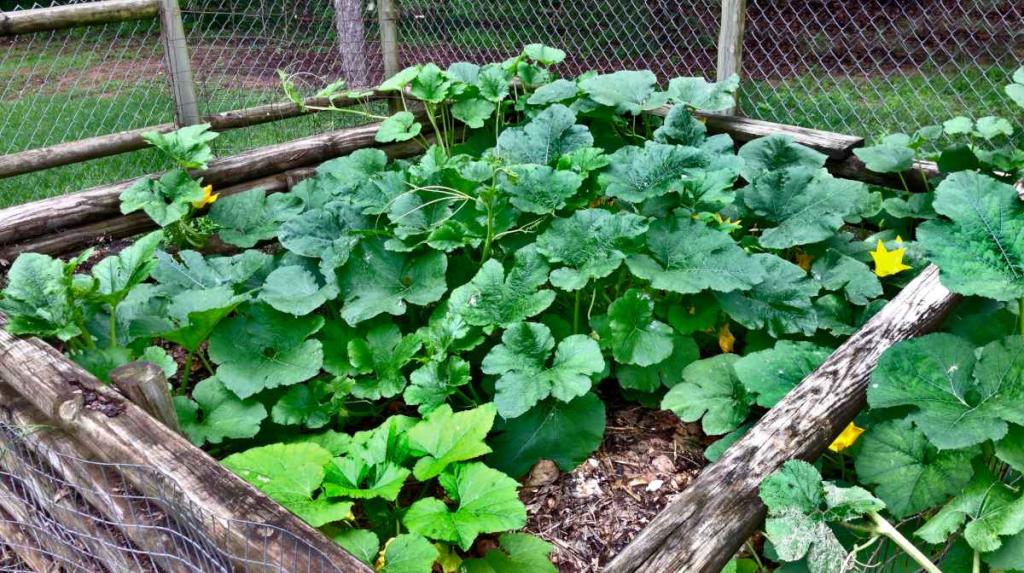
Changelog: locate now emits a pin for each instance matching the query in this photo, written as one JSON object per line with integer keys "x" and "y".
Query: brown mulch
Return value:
{"x": 593, "y": 512}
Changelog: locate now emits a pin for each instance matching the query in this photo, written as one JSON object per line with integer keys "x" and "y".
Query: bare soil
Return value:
{"x": 592, "y": 513}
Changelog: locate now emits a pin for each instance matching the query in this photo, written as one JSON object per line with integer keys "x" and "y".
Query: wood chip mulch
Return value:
{"x": 592, "y": 513}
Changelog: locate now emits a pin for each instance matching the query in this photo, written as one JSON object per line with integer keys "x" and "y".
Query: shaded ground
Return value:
{"x": 593, "y": 512}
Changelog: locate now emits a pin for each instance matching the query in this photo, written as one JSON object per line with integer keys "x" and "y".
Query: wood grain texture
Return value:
{"x": 730, "y": 41}
{"x": 836, "y": 146}
{"x": 113, "y": 144}
{"x": 117, "y": 431}
{"x": 74, "y": 15}
{"x": 145, "y": 384}
{"x": 179, "y": 67}
{"x": 703, "y": 528}
{"x": 37, "y": 218}
{"x": 53, "y": 447}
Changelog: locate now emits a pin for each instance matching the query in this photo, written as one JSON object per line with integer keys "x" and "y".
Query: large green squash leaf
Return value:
{"x": 800, "y": 506}
{"x": 382, "y": 354}
{"x": 166, "y": 200}
{"x": 189, "y": 146}
{"x": 263, "y": 348}
{"x": 781, "y": 304}
{"x": 493, "y": 299}
{"x": 910, "y": 474}
{"x": 193, "y": 272}
{"x": 524, "y": 375}
{"x": 252, "y": 216}
{"x": 354, "y": 478}
{"x": 37, "y": 299}
{"x": 710, "y": 392}
{"x": 990, "y": 509}
{"x": 291, "y": 474}
{"x": 770, "y": 374}
{"x": 563, "y": 433}
{"x": 377, "y": 281}
{"x": 980, "y": 248}
{"x": 517, "y": 553}
{"x": 224, "y": 415}
{"x": 591, "y": 244}
{"x": 432, "y": 384}
{"x": 626, "y": 91}
{"x": 548, "y": 136}
{"x": 687, "y": 256}
{"x": 538, "y": 188}
{"x": 487, "y": 503}
{"x": 407, "y": 553}
{"x": 640, "y": 173}
{"x": 805, "y": 204}
{"x": 698, "y": 93}
{"x": 444, "y": 437}
{"x": 631, "y": 331}
{"x": 838, "y": 272}
{"x": 117, "y": 274}
{"x": 664, "y": 374}
{"x": 328, "y": 233}
{"x": 958, "y": 400}
{"x": 775, "y": 152}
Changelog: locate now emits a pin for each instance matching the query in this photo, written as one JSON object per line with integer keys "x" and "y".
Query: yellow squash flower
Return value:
{"x": 726, "y": 340}
{"x": 846, "y": 439}
{"x": 804, "y": 261}
{"x": 208, "y": 197}
{"x": 889, "y": 262}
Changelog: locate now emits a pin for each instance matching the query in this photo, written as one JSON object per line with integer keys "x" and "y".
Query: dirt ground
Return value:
{"x": 593, "y": 512}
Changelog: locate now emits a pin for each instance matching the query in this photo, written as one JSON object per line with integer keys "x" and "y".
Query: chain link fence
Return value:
{"x": 862, "y": 67}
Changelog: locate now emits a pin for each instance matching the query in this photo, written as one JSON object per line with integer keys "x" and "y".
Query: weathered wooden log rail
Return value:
{"x": 705, "y": 526}
{"x": 106, "y": 145}
{"x": 76, "y": 15}
{"x": 70, "y": 222}
{"x": 38, "y": 385}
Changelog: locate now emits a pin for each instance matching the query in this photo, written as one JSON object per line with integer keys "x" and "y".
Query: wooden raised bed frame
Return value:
{"x": 698, "y": 532}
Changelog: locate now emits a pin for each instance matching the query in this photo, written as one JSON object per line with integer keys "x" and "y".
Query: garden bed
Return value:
{"x": 419, "y": 357}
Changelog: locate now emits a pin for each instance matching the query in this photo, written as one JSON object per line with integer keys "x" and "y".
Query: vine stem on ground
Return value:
{"x": 883, "y": 527}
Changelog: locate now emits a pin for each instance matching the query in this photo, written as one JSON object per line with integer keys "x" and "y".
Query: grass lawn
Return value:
{"x": 93, "y": 115}
{"x": 875, "y": 106}
{"x": 866, "y": 106}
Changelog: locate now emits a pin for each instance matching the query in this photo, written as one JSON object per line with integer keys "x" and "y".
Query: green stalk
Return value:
{"x": 433, "y": 123}
{"x": 976, "y": 563}
{"x": 486, "y": 252}
{"x": 883, "y": 527}
{"x": 576, "y": 312}
{"x": 113, "y": 325}
{"x": 206, "y": 363}
{"x": 183, "y": 385}
{"x": 904, "y": 181}
{"x": 1020, "y": 313}
{"x": 924, "y": 177}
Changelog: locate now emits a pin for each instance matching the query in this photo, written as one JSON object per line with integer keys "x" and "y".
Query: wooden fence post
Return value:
{"x": 730, "y": 42}
{"x": 179, "y": 69}
{"x": 145, "y": 384}
{"x": 387, "y": 15}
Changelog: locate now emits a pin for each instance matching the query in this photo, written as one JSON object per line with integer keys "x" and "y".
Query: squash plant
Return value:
{"x": 941, "y": 445}
{"x": 396, "y": 341}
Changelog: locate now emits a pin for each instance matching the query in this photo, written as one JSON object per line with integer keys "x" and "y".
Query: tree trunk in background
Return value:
{"x": 352, "y": 42}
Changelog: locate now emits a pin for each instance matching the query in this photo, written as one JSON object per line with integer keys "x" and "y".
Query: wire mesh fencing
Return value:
{"x": 863, "y": 67}
{"x": 59, "y": 512}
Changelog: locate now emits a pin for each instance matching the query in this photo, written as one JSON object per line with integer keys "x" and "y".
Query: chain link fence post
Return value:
{"x": 730, "y": 42}
{"x": 179, "y": 68}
